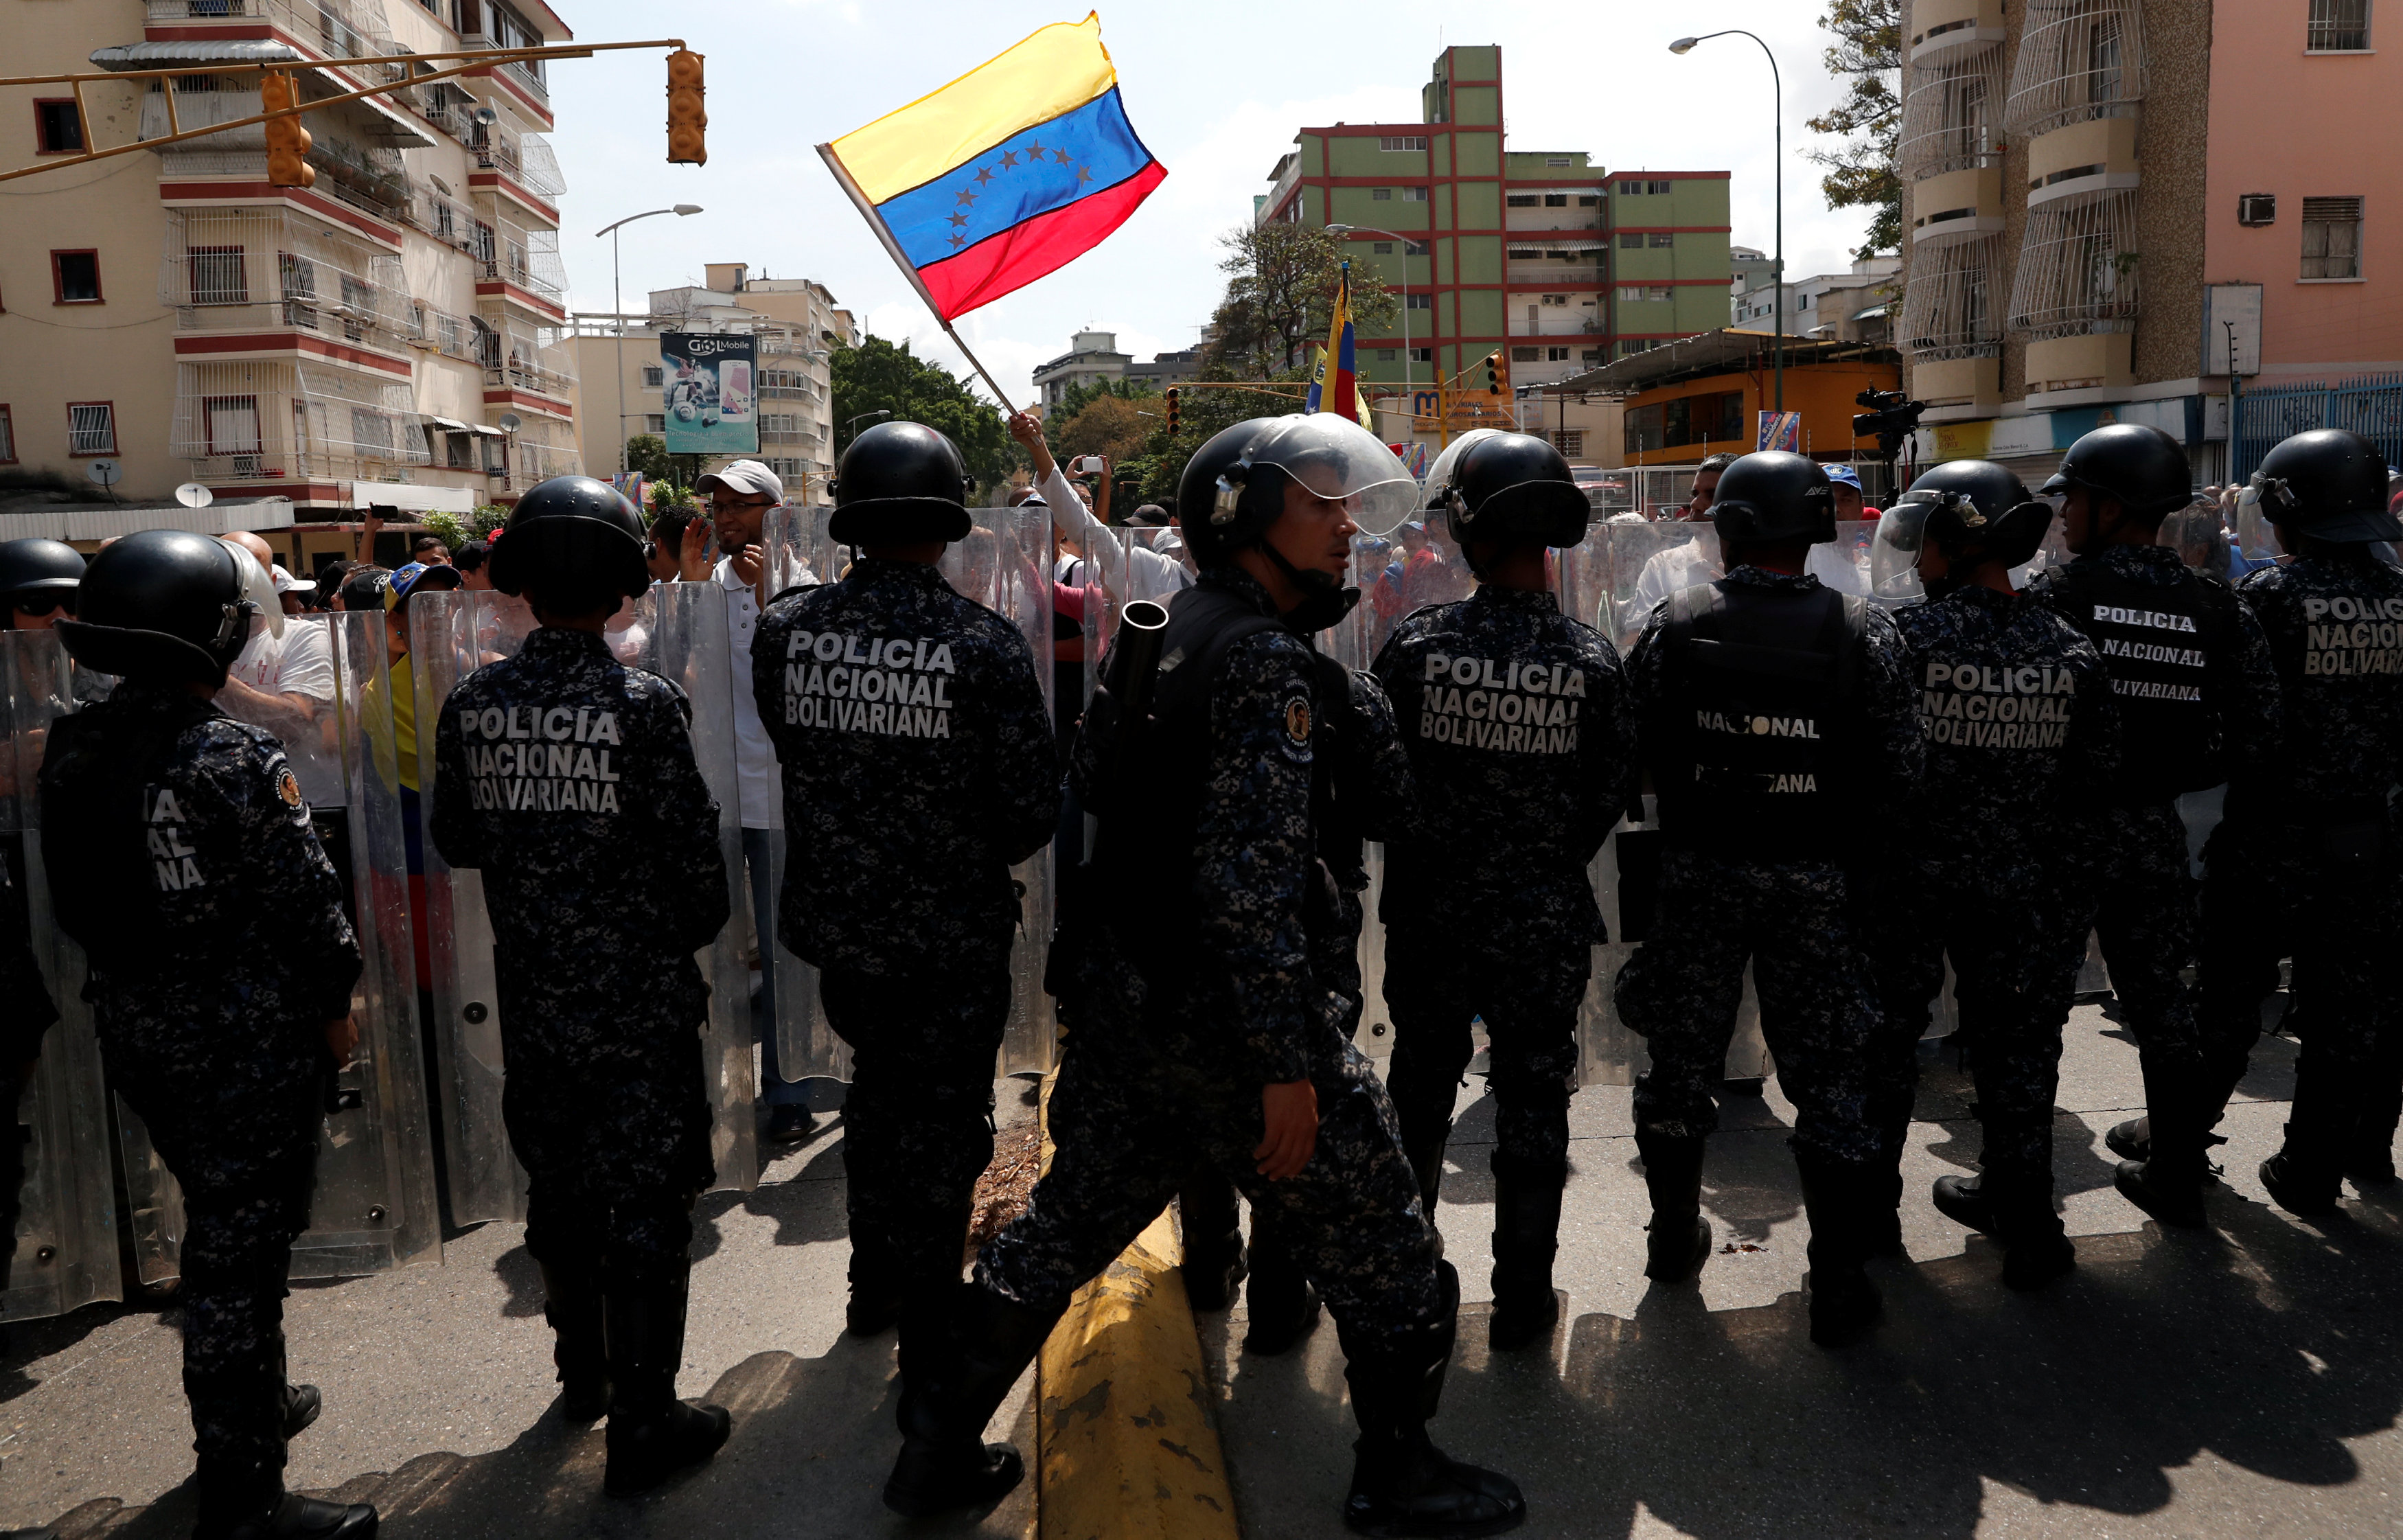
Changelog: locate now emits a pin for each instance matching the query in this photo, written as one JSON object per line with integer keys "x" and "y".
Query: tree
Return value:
{"x": 1203, "y": 413}
{"x": 877, "y": 374}
{"x": 1860, "y": 171}
{"x": 1280, "y": 300}
{"x": 671, "y": 476}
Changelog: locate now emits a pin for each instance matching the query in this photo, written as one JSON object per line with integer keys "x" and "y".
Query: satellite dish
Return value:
{"x": 511, "y": 421}
{"x": 106, "y": 472}
{"x": 487, "y": 117}
{"x": 194, "y": 495}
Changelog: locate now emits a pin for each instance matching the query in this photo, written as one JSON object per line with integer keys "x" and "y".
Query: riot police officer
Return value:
{"x": 2198, "y": 700}
{"x": 568, "y": 780}
{"x": 1770, "y": 710}
{"x": 1519, "y": 746}
{"x": 39, "y": 581}
{"x": 1201, "y": 1032}
{"x": 2303, "y": 864}
{"x": 918, "y": 766}
{"x": 182, "y": 859}
{"x": 2016, "y": 712}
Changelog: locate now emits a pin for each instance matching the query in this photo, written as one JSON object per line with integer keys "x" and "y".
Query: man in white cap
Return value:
{"x": 740, "y": 495}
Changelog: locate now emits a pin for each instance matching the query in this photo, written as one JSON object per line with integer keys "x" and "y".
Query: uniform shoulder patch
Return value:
{"x": 287, "y": 786}
{"x": 1297, "y": 721}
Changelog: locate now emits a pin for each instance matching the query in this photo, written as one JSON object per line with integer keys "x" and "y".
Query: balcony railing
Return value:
{"x": 332, "y": 29}
{"x": 2077, "y": 59}
{"x": 256, "y": 269}
{"x": 528, "y": 257}
{"x": 1948, "y": 306}
{"x": 274, "y": 420}
{"x": 1524, "y": 276}
{"x": 1951, "y": 116}
{"x": 2077, "y": 271}
{"x": 539, "y": 359}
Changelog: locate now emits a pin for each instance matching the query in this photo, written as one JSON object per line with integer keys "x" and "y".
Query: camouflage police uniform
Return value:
{"x": 1155, "y": 1077}
{"x": 1790, "y": 912}
{"x": 183, "y": 860}
{"x": 918, "y": 767}
{"x": 2302, "y": 865}
{"x": 1515, "y": 722}
{"x": 2020, "y": 730}
{"x": 2127, "y": 878}
{"x": 568, "y": 780}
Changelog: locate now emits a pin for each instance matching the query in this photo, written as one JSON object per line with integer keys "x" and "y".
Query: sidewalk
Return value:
{"x": 2239, "y": 1381}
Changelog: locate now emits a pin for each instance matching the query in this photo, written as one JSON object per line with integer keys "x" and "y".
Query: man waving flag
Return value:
{"x": 1012, "y": 171}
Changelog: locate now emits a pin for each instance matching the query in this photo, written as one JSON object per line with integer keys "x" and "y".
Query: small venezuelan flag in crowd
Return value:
{"x": 1012, "y": 171}
{"x": 1335, "y": 385}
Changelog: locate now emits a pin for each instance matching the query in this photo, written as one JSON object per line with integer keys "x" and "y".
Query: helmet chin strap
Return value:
{"x": 1325, "y": 600}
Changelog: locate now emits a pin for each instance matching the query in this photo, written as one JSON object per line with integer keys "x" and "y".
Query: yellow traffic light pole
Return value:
{"x": 291, "y": 108}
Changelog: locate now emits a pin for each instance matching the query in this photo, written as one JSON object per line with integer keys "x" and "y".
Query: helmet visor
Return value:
{"x": 1337, "y": 459}
{"x": 1439, "y": 474}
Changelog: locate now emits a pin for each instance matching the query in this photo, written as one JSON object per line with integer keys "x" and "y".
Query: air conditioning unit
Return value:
{"x": 2257, "y": 208}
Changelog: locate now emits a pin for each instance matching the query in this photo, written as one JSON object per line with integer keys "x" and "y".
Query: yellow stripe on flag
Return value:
{"x": 1055, "y": 70}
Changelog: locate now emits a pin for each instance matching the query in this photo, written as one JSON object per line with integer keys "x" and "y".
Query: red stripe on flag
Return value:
{"x": 1045, "y": 243}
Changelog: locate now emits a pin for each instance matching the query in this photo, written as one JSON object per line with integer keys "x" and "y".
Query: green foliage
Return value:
{"x": 670, "y": 475}
{"x": 1085, "y": 392}
{"x": 1280, "y": 298}
{"x": 1202, "y": 414}
{"x": 877, "y": 374}
{"x": 457, "y": 529}
{"x": 1860, "y": 171}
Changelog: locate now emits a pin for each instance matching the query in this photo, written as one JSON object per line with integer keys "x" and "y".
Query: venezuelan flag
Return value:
{"x": 1343, "y": 398}
{"x": 1012, "y": 171}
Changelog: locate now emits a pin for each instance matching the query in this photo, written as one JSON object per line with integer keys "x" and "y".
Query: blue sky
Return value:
{"x": 1216, "y": 90}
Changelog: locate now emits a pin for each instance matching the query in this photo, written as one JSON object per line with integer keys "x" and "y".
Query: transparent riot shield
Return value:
{"x": 801, "y": 553}
{"x": 452, "y": 634}
{"x": 66, "y": 1233}
{"x": 374, "y": 1206}
{"x": 2198, "y": 537}
{"x": 1642, "y": 565}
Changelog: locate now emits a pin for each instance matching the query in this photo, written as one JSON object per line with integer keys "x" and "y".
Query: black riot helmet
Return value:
{"x": 163, "y": 604}
{"x": 1217, "y": 516}
{"x": 38, "y": 569}
{"x": 2330, "y": 484}
{"x": 574, "y": 543}
{"x": 900, "y": 483}
{"x": 1514, "y": 488}
{"x": 1774, "y": 495}
{"x": 2143, "y": 468}
{"x": 1971, "y": 508}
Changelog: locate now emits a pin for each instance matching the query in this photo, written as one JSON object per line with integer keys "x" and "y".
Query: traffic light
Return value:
{"x": 1172, "y": 411}
{"x": 1891, "y": 419}
{"x": 1493, "y": 373}
{"x": 288, "y": 141}
{"x": 687, "y": 145}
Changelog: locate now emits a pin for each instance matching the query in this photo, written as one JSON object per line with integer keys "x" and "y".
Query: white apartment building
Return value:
{"x": 395, "y": 334}
{"x": 796, "y": 322}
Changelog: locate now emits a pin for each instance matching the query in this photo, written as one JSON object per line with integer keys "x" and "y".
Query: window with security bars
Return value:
{"x": 8, "y": 437}
{"x": 1946, "y": 304}
{"x": 91, "y": 427}
{"x": 653, "y": 375}
{"x": 216, "y": 276}
{"x": 2076, "y": 273}
{"x": 231, "y": 423}
{"x": 1569, "y": 441}
{"x": 2331, "y": 238}
{"x": 296, "y": 276}
{"x": 1951, "y": 117}
{"x": 655, "y": 422}
{"x": 2338, "y": 26}
{"x": 2077, "y": 59}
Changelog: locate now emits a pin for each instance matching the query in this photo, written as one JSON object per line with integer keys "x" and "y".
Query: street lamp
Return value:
{"x": 618, "y": 309}
{"x": 1777, "y": 276}
{"x": 849, "y": 427}
{"x": 1371, "y": 229}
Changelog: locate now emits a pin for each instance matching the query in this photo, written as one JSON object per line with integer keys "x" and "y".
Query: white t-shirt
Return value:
{"x": 754, "y": 756}
{"x": 308, "y": 671}
{"x": 1698, "y": 561}
{"x": 260, "y": 663}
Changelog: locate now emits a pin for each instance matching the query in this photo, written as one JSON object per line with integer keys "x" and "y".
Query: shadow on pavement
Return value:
{"x": 812, "y": 1440}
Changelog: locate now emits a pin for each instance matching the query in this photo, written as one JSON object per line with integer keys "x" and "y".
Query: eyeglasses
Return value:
{"x": 40, "y": 603}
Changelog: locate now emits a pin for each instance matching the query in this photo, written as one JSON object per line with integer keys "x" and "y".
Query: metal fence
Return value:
{"x": 2371, "y": 405}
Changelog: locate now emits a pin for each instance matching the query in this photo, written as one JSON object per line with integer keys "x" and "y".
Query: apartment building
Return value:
{"x": 1093, "y": 356}
{"x": 2115, "y": 209}
{"x": 1543, "y": 255}
{"x": 795, "y": 324}
{"x": 1853, "y": 306}
{"x": 394, "y": 334}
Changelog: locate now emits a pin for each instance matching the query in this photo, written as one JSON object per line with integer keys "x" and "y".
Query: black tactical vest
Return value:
{"x": 97, "y": 770}
{"x": 2168, "y": 651}
{"x": 1760, "y": 727}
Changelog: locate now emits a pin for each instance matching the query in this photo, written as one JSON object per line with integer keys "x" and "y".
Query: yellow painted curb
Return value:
{"x": 1128, "y": 1443}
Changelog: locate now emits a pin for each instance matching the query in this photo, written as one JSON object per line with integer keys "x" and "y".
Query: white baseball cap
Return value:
{"x": 287, "y": 583}
{"x": 747, "y": 476}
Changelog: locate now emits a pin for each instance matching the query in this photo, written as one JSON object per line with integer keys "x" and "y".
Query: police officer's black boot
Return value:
{"x": 580, "y": 1346}
{"x": 1680, "y": 1237}
{"x": 1401, "y": 1483}
{"x": 2307, "y": 1175}
{"x": 1212, "y": 1239}
{"x": 952, "y": 1393}
{"x": 1839, "y": 1197}
{"x": 2016, "y": 1209}
{"x": 252, "y": 1504}
{"x": 652, "y": 1435}
{"x": 1526, "y": 1236}
{"x": 2168, "y": 1183}
{"x": 1280, "y": 1304}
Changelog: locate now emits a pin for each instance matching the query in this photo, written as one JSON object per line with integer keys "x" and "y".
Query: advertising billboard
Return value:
{"x": 707, "y": 382}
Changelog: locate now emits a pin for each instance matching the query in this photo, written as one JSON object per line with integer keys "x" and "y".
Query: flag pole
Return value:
{"x": 892, "y": 248}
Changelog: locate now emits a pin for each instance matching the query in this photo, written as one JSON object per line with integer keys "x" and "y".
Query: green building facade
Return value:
{"x": 1542, "y": 256}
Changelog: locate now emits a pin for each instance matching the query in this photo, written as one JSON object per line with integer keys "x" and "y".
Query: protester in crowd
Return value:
{"x": 1852, "y": 504}
{"x": 470, "y": 559}
{"x": 430, "y": 550}
{"x": 298, "y": 596}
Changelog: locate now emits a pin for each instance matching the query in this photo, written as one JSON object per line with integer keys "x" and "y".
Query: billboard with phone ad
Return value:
{"x": 706, "y": 387}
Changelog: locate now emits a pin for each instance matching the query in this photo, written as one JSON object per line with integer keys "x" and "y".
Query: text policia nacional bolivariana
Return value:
{"x": 541, "y": 759}
{"x": 1516, "y": 707}
{"x": 2346, "y": 636}
{"x": 899, "y": 685}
